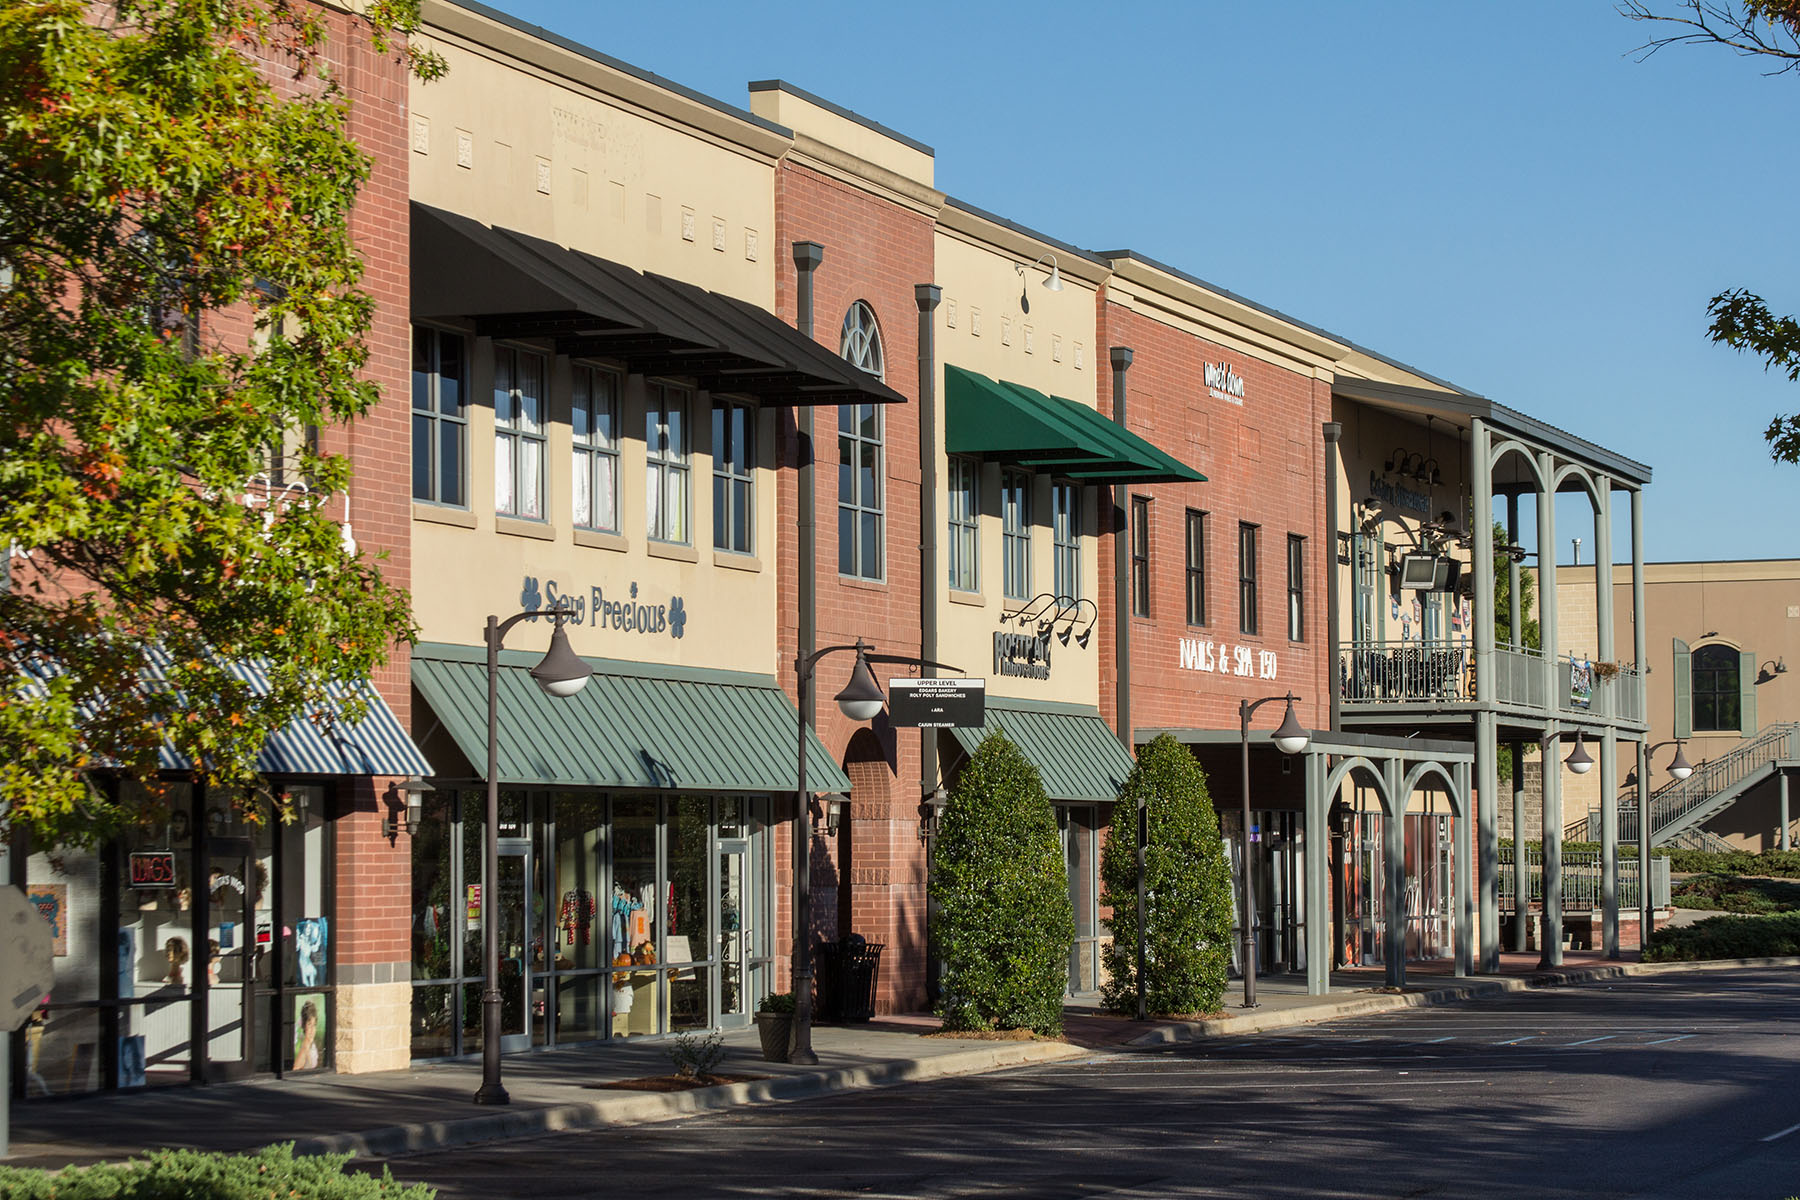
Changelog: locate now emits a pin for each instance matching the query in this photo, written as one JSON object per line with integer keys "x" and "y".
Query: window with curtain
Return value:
{"x": 1247, "y": 578}
{"x": 518, "y": 433}
{"x": 440, "y": 422}
{"x": 1065, "y": 534}
{"x": 594, "y": 426}
{"x": 1296, "y": 564}
{"x": 963, "y": 553}
{"x": 1196, "y": 567}
{"x": 1140, "y": 556}
{"x": 666, "y": 464}
{"x": 1015, "y": 534}
{"x": 734, "y": 461}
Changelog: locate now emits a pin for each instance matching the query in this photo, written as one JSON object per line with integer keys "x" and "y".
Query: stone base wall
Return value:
{"x": 374, "y": 1027}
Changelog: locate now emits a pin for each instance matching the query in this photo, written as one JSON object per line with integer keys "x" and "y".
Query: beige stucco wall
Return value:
{"x": 981, "y": 328}
{"x": 527, "y": 136}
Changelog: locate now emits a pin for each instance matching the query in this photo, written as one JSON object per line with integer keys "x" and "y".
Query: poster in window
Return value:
{"x": 309, "y": 1032}
{"x": 52, "y": 902}
{"x": 311, "y": 945}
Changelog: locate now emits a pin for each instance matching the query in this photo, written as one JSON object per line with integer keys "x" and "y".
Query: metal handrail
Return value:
{"x": 1679, "y": 797}
{"x": 1583, "y": 878}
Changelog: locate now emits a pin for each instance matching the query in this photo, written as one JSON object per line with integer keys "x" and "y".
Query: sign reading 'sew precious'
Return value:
{"x": 937, "y": 703}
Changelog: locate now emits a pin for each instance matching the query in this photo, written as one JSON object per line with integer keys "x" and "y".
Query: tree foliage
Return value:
{"x": 1770, "y": 31}
{"x": 1003, "y": 927}
{"x": 179, "y": 312}
{"x": 1187, "y": 906}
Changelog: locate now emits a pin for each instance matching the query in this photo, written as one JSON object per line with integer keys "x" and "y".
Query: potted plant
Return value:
{"x": 775, "y": 1025}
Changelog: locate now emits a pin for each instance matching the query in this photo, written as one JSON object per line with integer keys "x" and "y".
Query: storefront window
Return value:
{"x": 689, "y": 936}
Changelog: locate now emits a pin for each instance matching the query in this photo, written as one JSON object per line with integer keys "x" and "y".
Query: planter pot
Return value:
{"x": 777, "y": 1032}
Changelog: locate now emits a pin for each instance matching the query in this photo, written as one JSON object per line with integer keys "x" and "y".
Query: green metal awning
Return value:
{"x": 1011, "y": 423}
{"x": 633, "y": 726}
{"x": 1072, "y": 747}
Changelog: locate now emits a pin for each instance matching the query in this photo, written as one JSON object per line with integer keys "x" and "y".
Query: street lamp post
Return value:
{"x": 561, "y": 673}
{"x": 1678, "y": 768}
{"x": 860, "y": 701}
{"x": 1290, "y": 738}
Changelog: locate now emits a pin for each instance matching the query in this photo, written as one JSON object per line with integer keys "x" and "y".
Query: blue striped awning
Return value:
{"x": 374, "y": 745}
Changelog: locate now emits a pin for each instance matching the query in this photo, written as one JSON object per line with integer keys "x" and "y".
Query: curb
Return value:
{"x": 641, "y": 1107}
{"x": 1193, "y": 1031}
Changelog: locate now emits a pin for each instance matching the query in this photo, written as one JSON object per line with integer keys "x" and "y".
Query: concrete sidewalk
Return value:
{"x": 430, "y": 1105}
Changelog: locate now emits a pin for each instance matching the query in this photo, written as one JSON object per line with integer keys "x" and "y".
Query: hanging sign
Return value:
{"x": 937, "y": 703}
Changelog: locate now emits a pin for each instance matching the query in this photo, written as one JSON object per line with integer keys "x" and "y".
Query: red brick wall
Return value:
{"x": 1264, "y": 464}
{"x": 875, "y": 251}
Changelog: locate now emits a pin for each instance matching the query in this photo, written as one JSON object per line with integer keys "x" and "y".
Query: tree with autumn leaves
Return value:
{"x": 179, "y": 315}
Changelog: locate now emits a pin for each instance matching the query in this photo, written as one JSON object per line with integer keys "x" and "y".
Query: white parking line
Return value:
{"x": 1779, "y": 1134}
{"x": 1682, "y": 1038}
{"x": 1592, "y": 1040}
{"x": 1516, "y": 1041}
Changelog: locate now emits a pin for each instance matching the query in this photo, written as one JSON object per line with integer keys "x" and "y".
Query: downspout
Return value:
{"x": 807, "y": 257}
{"x": 1121, "y": 362}
{"x": 928, "y": 295}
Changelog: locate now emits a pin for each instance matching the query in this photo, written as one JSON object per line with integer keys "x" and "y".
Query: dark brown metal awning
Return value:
{"x": 516, "y": 286}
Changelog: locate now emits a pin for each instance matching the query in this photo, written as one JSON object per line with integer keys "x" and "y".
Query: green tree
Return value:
{"x": 1768, "y": 30}
{"x": 1003, "y": 927}
{"x": 1187, "y": 907}
{"x": 179, "y": 302}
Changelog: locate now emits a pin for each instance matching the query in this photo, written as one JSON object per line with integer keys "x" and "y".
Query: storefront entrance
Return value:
{"x": 1278, "y": 847}
{"x": 1081, "y": 854}
{"x": 1429, "y": 901}
{"x": 617, "y": 915}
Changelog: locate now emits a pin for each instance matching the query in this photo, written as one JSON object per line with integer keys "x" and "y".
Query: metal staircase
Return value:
{"x": 1679, "y": 807}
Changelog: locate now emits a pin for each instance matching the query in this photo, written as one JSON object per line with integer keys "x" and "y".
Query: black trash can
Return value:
{"x": 828, "y": 981}
{"x": 845, "y": 979}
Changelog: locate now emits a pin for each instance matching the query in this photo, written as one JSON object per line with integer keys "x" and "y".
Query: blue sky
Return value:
{"x": 1499, "y": 195}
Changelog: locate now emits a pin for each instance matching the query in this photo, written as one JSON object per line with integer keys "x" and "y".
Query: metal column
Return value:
{"x": 1609, "y": 738}
{"x": 1318, "y": 875}
{"x": 1393, "y": 837}
{"x": 1640, "y": 648}
{"x": 1487, "y": 742}
{"x": 1553, "y": 681}
{"x": 1464, "y": 901}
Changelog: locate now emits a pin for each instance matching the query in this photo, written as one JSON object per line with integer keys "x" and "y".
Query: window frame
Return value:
{"x": 664, "y": 464}
{"x": 1065, "y": 537}
{"x": 588, "y": 450}
{"x": 859, "y": 343}
{"x": 1727, "y": 685}
{"x": 1140, "y": 556}
{"x": 1195, "y": 543}
{"x": 729, "y": 483}
{"x": 1248, "y": 601}
{"x": 1015, "y": 533}
{"x": 437, "y": 419}
{"x": 963, "y": 553}
{"x": 1296, "y": 550}
{"x": 517, "y": 436}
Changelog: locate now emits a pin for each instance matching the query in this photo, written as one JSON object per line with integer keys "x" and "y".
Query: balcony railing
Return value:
{"x": 1376, "y": 674}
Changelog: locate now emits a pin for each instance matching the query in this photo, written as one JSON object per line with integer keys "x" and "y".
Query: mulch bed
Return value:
{"x": 675, "y": 1083}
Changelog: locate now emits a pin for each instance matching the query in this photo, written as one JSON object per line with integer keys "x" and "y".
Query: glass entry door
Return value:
{"x": 228, "y": 962}
{"x": 737, "y": 932}
{"x": 512, "y": 917}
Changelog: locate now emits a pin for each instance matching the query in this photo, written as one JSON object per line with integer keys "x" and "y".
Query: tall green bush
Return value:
{"x": 1187, "y": 905}
{"x": 195, "y": 1175}
{"x": 1003, "y": 926}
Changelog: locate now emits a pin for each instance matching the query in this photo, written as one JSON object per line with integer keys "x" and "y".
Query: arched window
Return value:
{"x": 860, "y": 482}
{"x": 1717, "y": 689}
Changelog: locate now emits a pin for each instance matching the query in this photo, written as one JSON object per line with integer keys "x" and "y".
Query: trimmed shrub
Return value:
{"x": 1187, "y": 904}
{"x": 1735, "y": 894}
{"x": 273, "y": 1171}
{"x": 1004, "y": 927}
{"x": 1776, "y": 936}
{"x": 1784, "y": 864}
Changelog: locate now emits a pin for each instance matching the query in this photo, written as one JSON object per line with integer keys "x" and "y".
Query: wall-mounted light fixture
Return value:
{"x": 409, "y": 806}
{"x": 1052, "y": 283}
{"x": 1770, "y": 669}
{"x": 835, "y": 804}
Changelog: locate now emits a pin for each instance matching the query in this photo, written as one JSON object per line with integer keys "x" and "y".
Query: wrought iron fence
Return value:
{"x": 1582, "y": 879}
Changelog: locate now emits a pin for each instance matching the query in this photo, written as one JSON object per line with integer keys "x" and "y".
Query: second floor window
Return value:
{"x": 1247, "y": 578}
{"x": 1140, "y": 556}
{"x": 1717, "y": 688}
{"x": 1065, "y": 533}
{"x": 1015, "y": 534}
{"x": 440, "y": 422}
{"x": 861, "y": 505}
{"x": 1296, "y": 553}
{"x": 594, "y": 424}
{"x": 666, "y": 464}
{"x": 518, "y": 433}
{"x": 964, "y": 551}
{"x": 734, "y": 461}
{"x": 1196, "y": 567}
